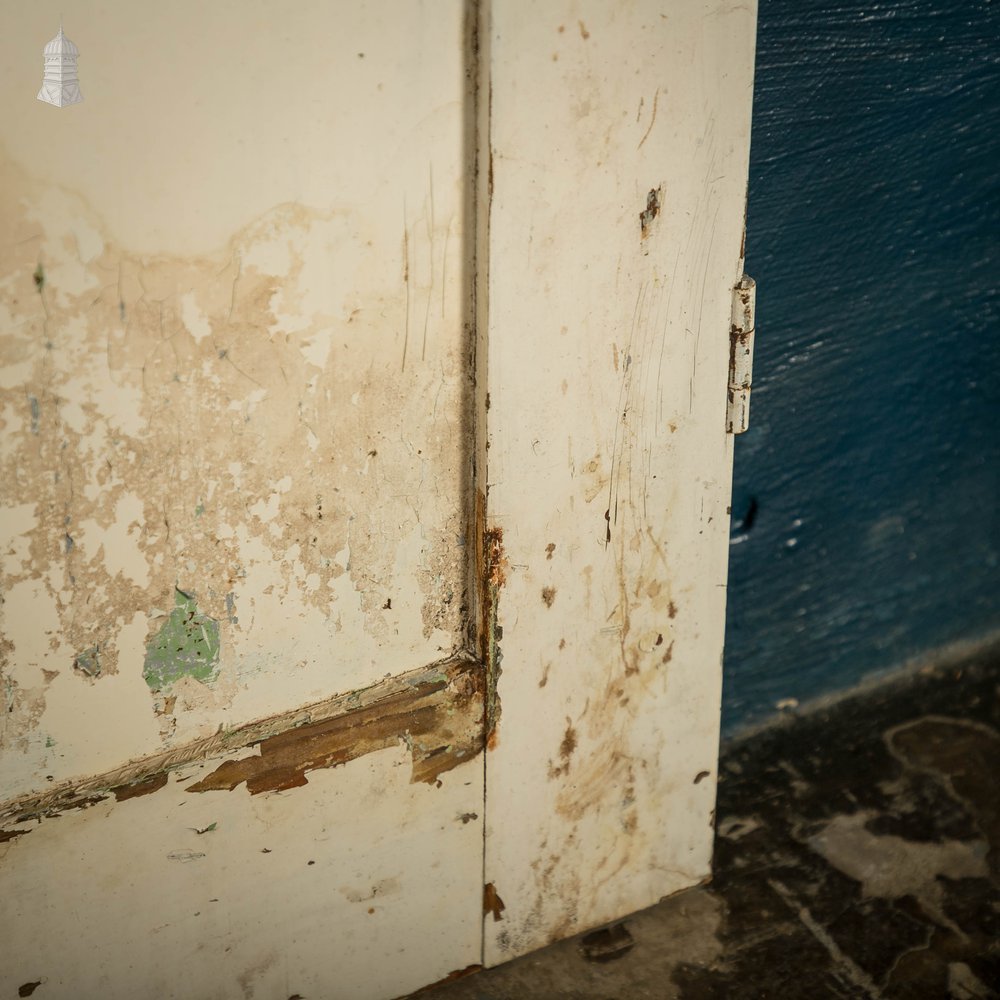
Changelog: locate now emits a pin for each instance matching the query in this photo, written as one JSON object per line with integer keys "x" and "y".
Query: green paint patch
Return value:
{"x": 187, "y": 645}
{"x": 89, "y": 662}
{"x": 199, "y": 510}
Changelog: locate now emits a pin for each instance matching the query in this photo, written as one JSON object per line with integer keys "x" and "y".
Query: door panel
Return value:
{"x": 236, "y": 373}
{"x": 619, "y": 139}
{"x": 361, "y": 883}
{"x": 235, "y": 401}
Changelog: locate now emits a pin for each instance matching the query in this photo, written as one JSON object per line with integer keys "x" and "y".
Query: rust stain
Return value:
{"x": 568, "y": 744}
{"x": 492, "y": 903}
{"x": 152, "y": 784}
{"x": 651, "y": 211}
{"x": 496, "y": 561}
{"x": 584, "y": 34}
{"x": 672, "y": 610}
{"x": 549, "y": 549}
{"x": 440, "y": 720}
{"x": 491, "y": 572}
{"x": 668, "y": 654}
{"x": 566, "y": 748}
{"x": 548, "y": 595}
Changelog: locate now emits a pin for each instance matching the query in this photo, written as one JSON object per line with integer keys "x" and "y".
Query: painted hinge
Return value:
{"x": 741, "y": 356}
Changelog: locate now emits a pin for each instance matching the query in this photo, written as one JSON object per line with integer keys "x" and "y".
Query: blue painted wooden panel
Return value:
{"x": 865, "y": 501}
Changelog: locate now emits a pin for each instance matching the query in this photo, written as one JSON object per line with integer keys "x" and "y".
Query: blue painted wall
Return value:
{"x": 868, "y": 481}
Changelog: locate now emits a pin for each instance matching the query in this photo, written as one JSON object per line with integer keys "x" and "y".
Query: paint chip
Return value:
{"x": 492, "y": 903}
{"x": 88, "y": 662}
{"x": 137, "y": 788}
{"x": 187, "y": 645}
{"x": 651, "y": 211}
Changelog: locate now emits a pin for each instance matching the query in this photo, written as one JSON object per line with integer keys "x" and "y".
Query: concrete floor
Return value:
{"x": 857, "y": 856}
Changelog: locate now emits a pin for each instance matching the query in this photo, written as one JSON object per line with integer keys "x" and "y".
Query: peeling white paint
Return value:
{"x": 182, "y": 353}
{"x": 194, "y": 319}
{"x": 119, "y": 541}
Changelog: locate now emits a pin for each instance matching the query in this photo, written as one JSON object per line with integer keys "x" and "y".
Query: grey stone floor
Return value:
{"x": 857, "y": 856}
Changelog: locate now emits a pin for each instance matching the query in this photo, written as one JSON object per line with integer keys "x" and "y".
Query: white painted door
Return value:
{"x": 236, "y": 396}
{"x": 364, "y": 393}
{"x": 619, "y": 141}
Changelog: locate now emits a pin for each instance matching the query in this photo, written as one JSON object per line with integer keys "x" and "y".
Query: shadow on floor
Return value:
{"x": 857, "y": 856}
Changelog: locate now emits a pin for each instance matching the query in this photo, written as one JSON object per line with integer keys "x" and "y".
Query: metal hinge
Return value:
{"x": 741, "y": 356}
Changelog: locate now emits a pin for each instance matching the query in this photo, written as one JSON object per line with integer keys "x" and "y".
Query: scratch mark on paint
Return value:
{"x": 186, "y": 856}
{"x": 652, "y": 122}
{"x": 406, "y": 282}
{"x": 430, "y": 290}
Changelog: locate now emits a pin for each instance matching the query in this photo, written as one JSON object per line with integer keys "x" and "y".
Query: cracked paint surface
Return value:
{"x": 272, "y": 421}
